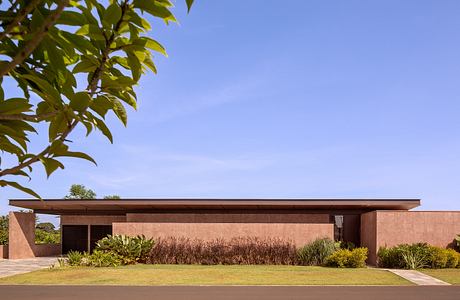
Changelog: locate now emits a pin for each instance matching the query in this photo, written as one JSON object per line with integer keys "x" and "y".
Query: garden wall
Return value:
{"x": 391, "y": 228}
{"x": 299, "y": 234}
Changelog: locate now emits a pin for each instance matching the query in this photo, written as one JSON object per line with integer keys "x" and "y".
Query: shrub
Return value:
{"x": 389, "y": 258}
{"x": 438, "y": 257}
{"x": 453, "y": 258}
{"x": 338, "y": 259}
{"x": 130, "y": 249}
{"x": 104, "y": 259}
{"x": 358, "y": 258}
{"x": 415, "y": 256}
{"x": 316, "y": 252}
{"x": 346, "y": 245}
{"x": 344, "y": 258}
{"x": 74, "y": 258}
{"x": 240, "y": 251}
{"x": 457, "y": 240}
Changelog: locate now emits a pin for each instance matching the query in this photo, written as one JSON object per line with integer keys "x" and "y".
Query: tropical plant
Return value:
{"x": 457, "y": 241}
{"x": 453, "y": 258}
{"x": 104, "y": 259}
{"x": 316, "y": 252}
{"x": 130, "y": 249}
{"x": 75, "y": 258}
{"x": 73, "y": 62}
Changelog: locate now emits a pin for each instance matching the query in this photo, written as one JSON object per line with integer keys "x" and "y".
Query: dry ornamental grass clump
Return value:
{"x": 236, "y": 251}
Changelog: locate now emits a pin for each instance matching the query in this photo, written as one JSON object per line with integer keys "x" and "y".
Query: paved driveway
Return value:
{"x": 229, "y": 292}
{"x": 10, "y": 267}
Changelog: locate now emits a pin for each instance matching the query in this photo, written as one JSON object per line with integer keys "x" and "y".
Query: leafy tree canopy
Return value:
{"x": 79, "y": 191}
{"x": 112, "y": 197}
{"x": 73, "y": 61}
{"x": 46, "y": 226}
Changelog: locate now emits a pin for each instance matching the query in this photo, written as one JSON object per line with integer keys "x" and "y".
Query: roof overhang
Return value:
{"x": 122, "y": 206}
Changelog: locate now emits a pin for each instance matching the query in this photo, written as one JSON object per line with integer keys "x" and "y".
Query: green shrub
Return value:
{"x": 389, "y": 258}
{"x": 457, "y": 240}
{"x": 346, "y": 245}
{"x": 316, "y": 252}
{"x": 358, "y": 258}
{"x": 415, "y": 256}
{"x": 130, "y": 249}
{"x": 438, "y": 257}
{"x": 74, "y": 258}
{"x": 344, "y": 258}
{"x": 453, "y": 258}
{"x": 338, "y": 259}
{"x": 104, "y": 259}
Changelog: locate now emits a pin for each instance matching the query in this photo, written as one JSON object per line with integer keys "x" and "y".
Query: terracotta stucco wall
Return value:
{"x": 3, "y": 251}
{"x": 90, "y": 220}
{"x": 368, "y": 234}
{"x": 21, "y": 238}
{"x": 228, "y": 218}
{"x": 299, "y": 234}
{"x": 437, "y": 228}
{"x": 391, "y": 228}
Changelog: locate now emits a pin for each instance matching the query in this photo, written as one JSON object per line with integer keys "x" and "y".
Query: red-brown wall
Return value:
{"x": 438, "y": 228}
{"x": 299, "y": 234}
{"x": 90, "y": 220}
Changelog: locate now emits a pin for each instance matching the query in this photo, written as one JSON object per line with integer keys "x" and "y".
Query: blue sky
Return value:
{"x": 288, "y": 99}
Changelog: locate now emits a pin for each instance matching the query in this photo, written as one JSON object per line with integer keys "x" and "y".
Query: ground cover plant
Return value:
{"x": 417, "y": 256}
{"x": 141, "y": 274}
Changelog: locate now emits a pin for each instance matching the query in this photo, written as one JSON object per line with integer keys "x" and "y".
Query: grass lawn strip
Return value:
{"x": 207, "y": 275}
{"x": 451, "y": 276}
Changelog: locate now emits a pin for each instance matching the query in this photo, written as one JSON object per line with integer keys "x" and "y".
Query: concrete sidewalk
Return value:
{"x": 417, "y": 277}
{"x": 9, "y": 267}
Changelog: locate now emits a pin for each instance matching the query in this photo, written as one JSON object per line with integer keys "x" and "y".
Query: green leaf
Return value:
{"x": 101, "y": 105}
{"x": 84, "y": 66}
{"x": 120, "y": 111}
{"x": 14, "y": 106}
{"x": 91, "y": 30}
{"x": 19, "y": 187}
{"x": 80, "y": 43}
{"x": 135, "y": 66}
{"x": 49, "y": 92}
{"x": 78, "y": 155}
{"x": 189, "y": 4}
{"x": 155, "y": 10}
{"x": 113, "y": 14}
{"x": 51, "y": 165}
{"x": 151, "y": 44}
{"x": 80, "y": 101}
{"x": 104, "y": 129}
{"x": 57, "y": 126}
{"x": 72, "y": 18}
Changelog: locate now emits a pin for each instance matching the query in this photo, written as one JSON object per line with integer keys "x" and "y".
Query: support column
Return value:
{"x": 21, "y": 237}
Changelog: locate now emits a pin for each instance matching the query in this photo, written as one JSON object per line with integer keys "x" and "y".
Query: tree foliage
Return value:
{"x": 4, "y": 224}
{"x": 73, "y": 61}
{"x": 79, "y": 191}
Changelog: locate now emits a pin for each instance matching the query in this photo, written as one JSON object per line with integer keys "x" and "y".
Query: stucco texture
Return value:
{"x": 299, "y": 234}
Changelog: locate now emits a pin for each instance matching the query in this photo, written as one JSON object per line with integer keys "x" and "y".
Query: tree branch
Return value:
{"x": 35, "y": 41}
{"x": 92, "y": 86}
{"x": 19, "y": 17}
{"x": 30, "y": 118}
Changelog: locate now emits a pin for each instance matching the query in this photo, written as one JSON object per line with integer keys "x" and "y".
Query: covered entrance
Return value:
{"x": 83, "y": 237}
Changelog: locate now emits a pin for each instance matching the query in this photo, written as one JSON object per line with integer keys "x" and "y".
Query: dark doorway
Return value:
{"x": 352, "y": 229}
{"x": 74, "y": 237}
{"x": 98, "y": 232}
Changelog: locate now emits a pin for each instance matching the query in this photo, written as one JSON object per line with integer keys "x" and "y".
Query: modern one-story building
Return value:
{"x": 368, "y": 222}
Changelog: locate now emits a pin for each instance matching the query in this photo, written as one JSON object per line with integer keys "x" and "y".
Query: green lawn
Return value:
{"x": 207, "y": 275}
{"x": 451, "y": 276}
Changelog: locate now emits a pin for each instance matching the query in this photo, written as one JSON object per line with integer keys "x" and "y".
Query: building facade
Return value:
{"x": 371, "y": 223}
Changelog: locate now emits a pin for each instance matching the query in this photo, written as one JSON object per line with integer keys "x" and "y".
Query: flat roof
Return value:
{"x": 122, "y": 206}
